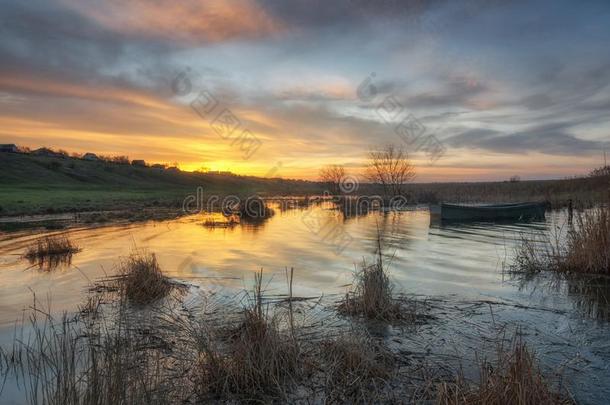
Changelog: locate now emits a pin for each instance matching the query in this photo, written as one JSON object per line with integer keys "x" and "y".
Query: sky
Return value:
{"x": 280, "y": 88}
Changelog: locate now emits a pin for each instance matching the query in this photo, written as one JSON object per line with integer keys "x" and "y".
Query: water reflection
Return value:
{"x": 51, "y": 262}
{"x": 460, "y": 264}
{"x": 588, "y": 295}
{"x": 465, "y": 260}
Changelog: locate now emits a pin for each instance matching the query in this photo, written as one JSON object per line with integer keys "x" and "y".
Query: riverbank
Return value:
{"x": 35, "y": 185}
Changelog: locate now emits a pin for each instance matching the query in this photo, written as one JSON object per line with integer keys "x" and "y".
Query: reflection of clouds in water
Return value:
{"x": 425, "y": 260}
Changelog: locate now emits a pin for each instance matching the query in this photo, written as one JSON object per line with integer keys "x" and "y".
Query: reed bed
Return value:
{"x": 588, "y": 243}
{"x": 515, "y": 378}
{"x": 51, "y": 250}
{"x": 585, "y": 249}
{"x": 113, "y": 353}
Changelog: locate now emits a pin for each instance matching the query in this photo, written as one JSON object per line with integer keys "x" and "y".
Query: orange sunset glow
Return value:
{"x": 108, "y": 85}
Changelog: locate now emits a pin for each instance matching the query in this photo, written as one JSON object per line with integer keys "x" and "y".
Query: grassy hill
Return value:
{"x": 36, "y": 184}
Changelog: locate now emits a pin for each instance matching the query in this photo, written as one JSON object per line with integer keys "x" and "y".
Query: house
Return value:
{"x": 9, "y": 148}
{"x": 141, "y": 163}
{"x": 158, "y": 166}
{"x": 47, "y": 152}
{"x": 91, "y": 157}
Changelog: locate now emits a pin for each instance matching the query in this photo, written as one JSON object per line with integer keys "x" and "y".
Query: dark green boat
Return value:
{"x": 492, "y": 212}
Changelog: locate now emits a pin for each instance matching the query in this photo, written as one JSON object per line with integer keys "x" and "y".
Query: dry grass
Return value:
{"x": 371, "y": 295}
{"x": 70, "y": 362}
{"x": 259, "y": 358}
{"x": 584, "y": 249}
{"x": 50, "y": 251}
{"x": 140, "y": 278}
{"x": 515, "y": 378}
{"x": 357, "y": 368}
{"x": 101, "y": 357}
{"x": 588, "y": 243}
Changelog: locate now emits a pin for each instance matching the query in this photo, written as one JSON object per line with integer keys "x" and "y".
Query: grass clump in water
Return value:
{"x": 140, "y": 278}
{"x": 514, "y": 379}
{"x": 51, "y": 251}
{"x": 259, "y": 360}
{"x": 51, "y": 246}
{"x": 371, "y": 295}
{"x": 357, "y": 368}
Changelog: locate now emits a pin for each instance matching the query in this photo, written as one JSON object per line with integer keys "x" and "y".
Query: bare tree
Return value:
{"x": 333, "y": 174}
{"x": 390, "y": 167}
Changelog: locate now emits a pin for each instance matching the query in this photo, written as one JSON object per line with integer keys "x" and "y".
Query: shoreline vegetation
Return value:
{"x": 114, "y": 188}
{"x": 581, "y": 246}
{"x": 130, "y": 344}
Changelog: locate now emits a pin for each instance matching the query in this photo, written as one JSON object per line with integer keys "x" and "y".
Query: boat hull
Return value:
{"x": 499, "y": 212}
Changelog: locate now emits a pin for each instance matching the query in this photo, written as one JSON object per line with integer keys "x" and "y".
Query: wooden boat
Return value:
{"x": 491, "y": 212}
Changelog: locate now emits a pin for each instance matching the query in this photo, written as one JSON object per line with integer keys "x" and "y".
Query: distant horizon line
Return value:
{"x": 78, "y": 155}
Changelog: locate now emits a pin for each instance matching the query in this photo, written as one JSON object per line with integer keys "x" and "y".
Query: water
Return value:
{"x": 460, "y": 265}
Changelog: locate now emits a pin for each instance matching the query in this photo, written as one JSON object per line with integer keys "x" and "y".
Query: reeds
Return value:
{"x": 50, "y": 251}
{"x": 585, "y": 248}
{"x": 259, "y": 360}
{"x": 588, "y": 243}
{"x": 140, "y": 278}
{"x": 515, "y": 378}
{"x": 371, "y": 295}
{"x": 70, "y": 362}
{"x": 100, "y": 357}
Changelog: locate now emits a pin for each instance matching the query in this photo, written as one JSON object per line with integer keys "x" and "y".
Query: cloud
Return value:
{"x": 550, "y": 139}
{"x": 455, "y": 92}
{"x": 186, "y": 21}
{"x": 503, "y": 78}
{"x": 316, "y": 14}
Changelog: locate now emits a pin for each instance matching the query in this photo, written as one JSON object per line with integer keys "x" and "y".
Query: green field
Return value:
{"x": 30, "y": 184}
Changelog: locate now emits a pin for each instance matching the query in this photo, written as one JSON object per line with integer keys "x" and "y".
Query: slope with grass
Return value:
{"x": 32, "y": 184}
